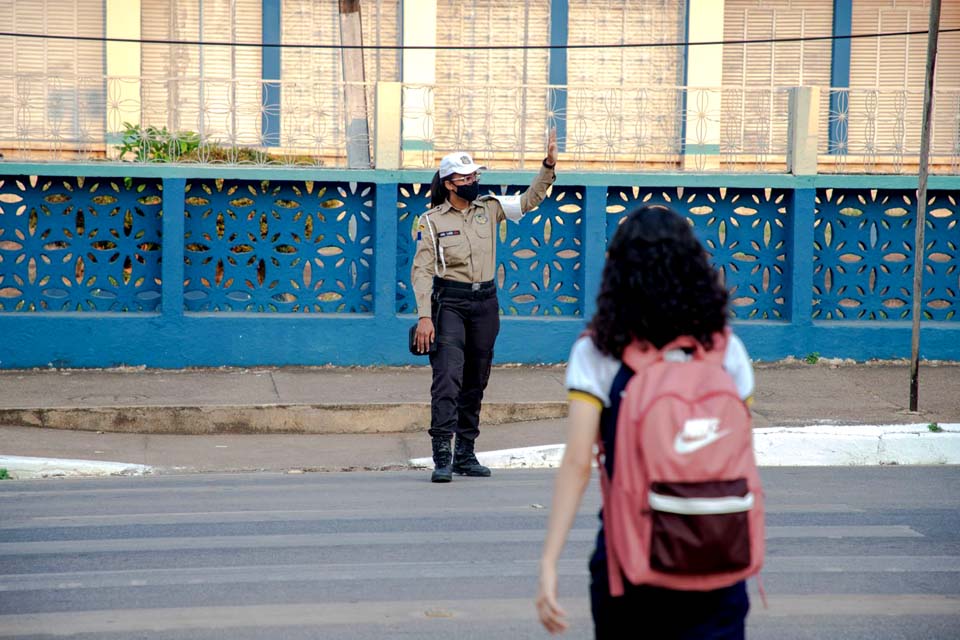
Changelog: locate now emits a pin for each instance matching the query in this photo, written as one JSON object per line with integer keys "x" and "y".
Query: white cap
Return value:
{"x": 458, "y": 162}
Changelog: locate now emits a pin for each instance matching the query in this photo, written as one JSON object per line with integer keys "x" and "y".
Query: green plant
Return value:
{"x": 217, "y": 153}
{"x": 153, "y": 144}
{"x": 934, "y": 427}
{"x": 4, "y": 474}
{"x": 812, "y": 358}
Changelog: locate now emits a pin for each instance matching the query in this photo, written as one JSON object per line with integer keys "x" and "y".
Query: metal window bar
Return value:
{"x": 60, "y": 117}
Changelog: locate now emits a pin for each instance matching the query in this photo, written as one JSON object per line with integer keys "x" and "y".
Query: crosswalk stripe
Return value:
{"x": 410, "y": 512}
{"x": 12, "y": 521}
{"x": 839, "y": 531}
{"x": 387, "y": 613}
{"x": 389, "y": 538}
{"x": 861, "y": 604}
{"x": 274, "y": 541}
{"x": 391, "y": 613}
{"x": 322, "y": 572}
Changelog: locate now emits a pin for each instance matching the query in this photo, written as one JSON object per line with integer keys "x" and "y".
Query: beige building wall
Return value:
{"x": 622, "y": 105}
{"x": 704, "y": 104}
{"x": 123, "y": 65}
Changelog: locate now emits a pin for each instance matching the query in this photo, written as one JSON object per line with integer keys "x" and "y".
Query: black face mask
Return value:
{"x": 468, "y": 192}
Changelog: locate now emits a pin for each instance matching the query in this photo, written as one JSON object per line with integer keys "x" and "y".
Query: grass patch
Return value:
{"x": 4, "y": 474}
{"x": 935, "y": 428}
{"x": 812, "y": 358}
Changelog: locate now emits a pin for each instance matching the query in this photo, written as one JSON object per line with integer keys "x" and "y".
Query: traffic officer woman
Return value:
{"x": 453, "y": 281}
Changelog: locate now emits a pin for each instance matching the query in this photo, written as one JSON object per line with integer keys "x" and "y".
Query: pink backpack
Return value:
{"x": 684, "y": 508}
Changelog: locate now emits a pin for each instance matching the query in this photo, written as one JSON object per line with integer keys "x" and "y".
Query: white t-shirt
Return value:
{"x": 591, "y": 372}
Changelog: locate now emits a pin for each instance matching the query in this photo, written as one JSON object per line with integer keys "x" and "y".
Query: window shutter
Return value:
{"x": 155, "y": 72}
{"x": 887, "y": 121}
{"x": 623, "y": 21}
{"x": 609, "y": 119}
{"x": 53, "y": 90}
{"x": 212, "y": 90}
{"x": 381, "y": 22}
{"x": 230, "y": 90}
{"x": 170, "y": 72}
{"x": 492, "y": 102}
{"x": 311, "y": 95}
{"x": 752, "y": 119}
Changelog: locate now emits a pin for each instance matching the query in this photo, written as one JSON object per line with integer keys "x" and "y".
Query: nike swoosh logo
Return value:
{"x": 683, "y": 447}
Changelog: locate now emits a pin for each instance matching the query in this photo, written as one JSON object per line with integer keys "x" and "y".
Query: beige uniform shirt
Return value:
{"x": 462, "y": 245}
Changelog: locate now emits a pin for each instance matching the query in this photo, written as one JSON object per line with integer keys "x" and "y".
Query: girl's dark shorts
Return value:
{"x": 653, "y": 612}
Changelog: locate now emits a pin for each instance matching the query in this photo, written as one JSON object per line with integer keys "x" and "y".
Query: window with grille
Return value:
{"x": 492, "y": 102}
{"x": 754, "y": 110}
{"x": 52, "y": 91}
{"x": 214, "y": 91}
{"x": 312, "y": 94}
{"x": 887, "y": 79}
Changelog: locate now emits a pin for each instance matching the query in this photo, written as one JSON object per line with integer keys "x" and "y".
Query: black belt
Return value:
{"x": 457, "y": 289}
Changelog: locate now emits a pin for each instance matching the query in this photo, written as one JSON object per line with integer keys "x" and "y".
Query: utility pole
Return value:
{"x": 354, "y": 90}
{"x": 919, "y": 249}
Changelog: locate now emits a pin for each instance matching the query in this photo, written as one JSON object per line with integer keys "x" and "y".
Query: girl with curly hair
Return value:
{"x": 657, "y": 285}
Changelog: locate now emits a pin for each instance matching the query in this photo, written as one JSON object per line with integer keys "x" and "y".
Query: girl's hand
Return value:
{"x": 552, "y": 147}
{"x": 552, "y": 616}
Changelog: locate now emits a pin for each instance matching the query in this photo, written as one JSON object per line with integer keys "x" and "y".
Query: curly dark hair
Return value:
{"x": 657, "y": 285}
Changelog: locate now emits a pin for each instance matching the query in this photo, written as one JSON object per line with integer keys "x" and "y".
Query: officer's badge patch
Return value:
{"x": 481, "y": 218}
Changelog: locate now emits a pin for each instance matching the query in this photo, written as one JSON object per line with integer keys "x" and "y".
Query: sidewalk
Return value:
{"x": 344, "y": 418}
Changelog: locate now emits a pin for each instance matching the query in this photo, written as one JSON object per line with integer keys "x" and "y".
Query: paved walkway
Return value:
{"x": 340, "y": 418}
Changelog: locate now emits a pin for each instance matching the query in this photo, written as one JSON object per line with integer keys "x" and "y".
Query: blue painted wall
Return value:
{"x": 174, "y": 266}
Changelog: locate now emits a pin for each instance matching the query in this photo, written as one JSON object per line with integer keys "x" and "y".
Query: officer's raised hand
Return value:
{"x": 425, "y": 334}
{"x": 552, "y": 147}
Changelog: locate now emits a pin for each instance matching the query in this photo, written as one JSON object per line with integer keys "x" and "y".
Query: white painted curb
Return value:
{"x": 853, "y": 445}
{"x": 540, "y": 457}
{"x": 856, "y": 445}
{"x": 21, "y": 468}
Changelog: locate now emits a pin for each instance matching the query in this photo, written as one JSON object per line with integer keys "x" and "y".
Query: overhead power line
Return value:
{"x": 480, "y": 47}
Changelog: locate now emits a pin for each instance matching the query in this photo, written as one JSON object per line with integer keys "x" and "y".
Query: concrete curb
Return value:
{"x": 22, "y": 468}
{"x": 266, "y": 419}
{"x": 540, "y": 457}
{"x": 854, "y": 445}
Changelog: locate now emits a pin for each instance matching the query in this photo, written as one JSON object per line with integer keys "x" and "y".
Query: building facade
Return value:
{"x": 253, "y": 200}
{"x": 617, "y": 106}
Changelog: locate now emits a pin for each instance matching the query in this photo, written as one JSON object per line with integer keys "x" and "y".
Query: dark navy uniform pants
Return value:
{"x": 467, "y": 320}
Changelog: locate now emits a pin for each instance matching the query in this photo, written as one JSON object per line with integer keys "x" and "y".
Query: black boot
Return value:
{"x": 442, "y": 459}
{"x": 465, "y": 461}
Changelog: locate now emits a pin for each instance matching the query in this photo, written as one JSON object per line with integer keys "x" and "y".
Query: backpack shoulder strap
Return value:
{"x": 638, "y": 355}
{"x": 715, "y": 355}
{"x": 719, "y": 351}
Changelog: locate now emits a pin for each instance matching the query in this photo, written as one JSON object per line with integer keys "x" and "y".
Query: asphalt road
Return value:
{"x": 853, "y": 553}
